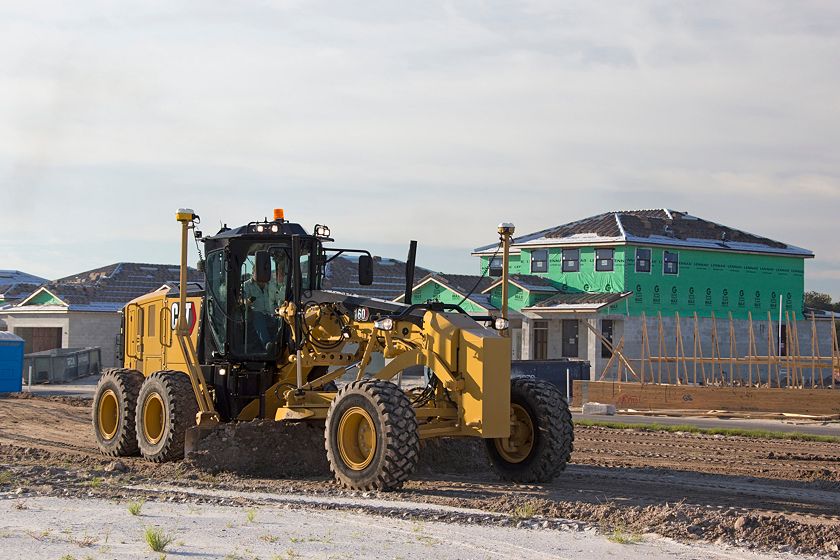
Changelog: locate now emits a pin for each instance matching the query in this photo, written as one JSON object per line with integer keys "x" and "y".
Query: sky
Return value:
{"x": 391, "y": 121}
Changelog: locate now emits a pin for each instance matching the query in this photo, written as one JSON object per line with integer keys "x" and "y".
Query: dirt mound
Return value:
{"x": 264, "y": 448}
{"x": 452, "y": 456}
{"x": 685, "y": 522}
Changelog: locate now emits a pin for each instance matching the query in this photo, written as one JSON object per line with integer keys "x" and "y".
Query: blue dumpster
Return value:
{"x": 11, "y": 362}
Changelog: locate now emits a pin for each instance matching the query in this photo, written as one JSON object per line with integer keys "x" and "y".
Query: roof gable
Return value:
{"x": 527, "y": 282}
{"x": 42, "y": 296}
{"x": 459, "y": 284}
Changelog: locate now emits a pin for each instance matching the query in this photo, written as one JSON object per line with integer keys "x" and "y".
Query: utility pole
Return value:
{"x": 506, "y": 230}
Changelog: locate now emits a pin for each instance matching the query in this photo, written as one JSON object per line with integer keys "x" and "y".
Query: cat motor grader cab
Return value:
{"x": 260, "y": 339}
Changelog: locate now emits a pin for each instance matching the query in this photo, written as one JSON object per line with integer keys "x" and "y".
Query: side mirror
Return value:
{"x": 262, "y": 267}
{"x": 365, "y": 270}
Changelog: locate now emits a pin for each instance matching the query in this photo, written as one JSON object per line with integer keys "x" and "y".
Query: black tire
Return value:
{"x": 167, "y": 395}
{"x": 113, "y": 412}
{"x": 393, "y": 458}
{"x": 552, "y": 437}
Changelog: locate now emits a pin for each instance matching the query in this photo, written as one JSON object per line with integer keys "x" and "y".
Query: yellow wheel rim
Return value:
{"x": 109, "y": 414}
{"x": 518, "y": 446}
{"x": 356, "y": 438}
{"x": 153, "y": 418}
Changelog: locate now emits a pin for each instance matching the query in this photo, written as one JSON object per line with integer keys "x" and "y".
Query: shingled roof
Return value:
{"x": 342, "y": 275}
{"x": 653, "y": 227}
{"x": 578, "y": 301}
{"x": 528, "y": 282}
{"x": 108, "y": 288}
{"x": 12, "y": 277}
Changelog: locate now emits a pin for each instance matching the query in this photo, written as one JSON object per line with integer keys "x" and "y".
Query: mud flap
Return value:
{"x": 194, "y": 435}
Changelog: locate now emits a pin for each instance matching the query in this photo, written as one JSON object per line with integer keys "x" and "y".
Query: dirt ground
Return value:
{"x": 773, "y": 495}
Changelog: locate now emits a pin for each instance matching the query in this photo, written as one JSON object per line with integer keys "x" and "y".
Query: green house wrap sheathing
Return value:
{"x": 517, "y": 297}
{"x": 707, "y": 282}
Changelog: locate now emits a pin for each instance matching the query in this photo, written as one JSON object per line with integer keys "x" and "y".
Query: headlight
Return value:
{"x": 260, "y": 228}
{"x": 386, "y": 324}
{"x": 222, "y": 371}
{"x": 501, "y": 323}
{"x": 275, "y": 228}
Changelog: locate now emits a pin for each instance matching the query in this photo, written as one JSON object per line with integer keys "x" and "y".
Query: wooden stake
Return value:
{"x": 815, "y": 350}
{"x": 659, "y": 315}
{"x": 700, "y": 351}
{"x": 751, "y": 347}
{"x": 799, "y": 367}
{"x": 647, "y": 344}
{"x": 677, "y": 346}
{"x": 644, "y": 343}
{"x": 731, "y": 349}
{"x": 771, "y": 350}
{"x": 716, "y": 351}
{"x": 616, "y": 354}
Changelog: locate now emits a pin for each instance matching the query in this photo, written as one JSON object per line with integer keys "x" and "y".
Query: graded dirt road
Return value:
{"x": 770, "y": 494}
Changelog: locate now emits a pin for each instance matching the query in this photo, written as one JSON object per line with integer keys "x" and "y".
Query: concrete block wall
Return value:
{"x": 96, "y": 329}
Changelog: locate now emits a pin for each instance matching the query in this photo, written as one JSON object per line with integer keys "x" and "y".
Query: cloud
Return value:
{"x": 424, "y": 120}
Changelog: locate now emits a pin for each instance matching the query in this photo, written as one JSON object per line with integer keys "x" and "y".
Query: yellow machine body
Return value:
{"x": 473, "y": 363}
{"x": 149, "y": 332}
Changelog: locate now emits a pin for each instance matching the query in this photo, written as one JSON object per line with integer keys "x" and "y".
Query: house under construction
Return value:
{"x": 653, "y": 284}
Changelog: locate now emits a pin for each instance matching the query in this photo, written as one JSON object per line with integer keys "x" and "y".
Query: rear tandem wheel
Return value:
{"x": 113, "y": 411}
{"x": 166, "y": 407}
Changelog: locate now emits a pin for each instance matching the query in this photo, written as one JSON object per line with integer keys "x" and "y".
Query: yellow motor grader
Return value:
{"x": 260, "y": 339}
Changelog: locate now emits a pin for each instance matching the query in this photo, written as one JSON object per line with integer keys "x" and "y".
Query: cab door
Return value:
{"x": 134, "y": 336}
{"x": 151, "y": 338}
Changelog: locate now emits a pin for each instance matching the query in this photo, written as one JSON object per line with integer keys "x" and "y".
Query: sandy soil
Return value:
{"x": 752, "y": 493}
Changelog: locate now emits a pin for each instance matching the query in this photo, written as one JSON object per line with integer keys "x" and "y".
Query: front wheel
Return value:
{"x": 371, "y": 436}
{"x": 541, "y": 437}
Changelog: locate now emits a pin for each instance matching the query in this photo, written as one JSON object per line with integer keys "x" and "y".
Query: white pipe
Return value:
{"x": 30, "y": 378}
{"x": 567, "y": 386}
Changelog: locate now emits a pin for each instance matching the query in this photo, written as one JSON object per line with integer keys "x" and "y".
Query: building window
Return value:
{"x": 495, "y": 267}
{"x": 604, "y": 260}
{"x": 539, "y": 330}
{"x": 607, "y": 333}
{"x": 571, "y": 260}
{"x": 671, "y": 263}
{"x": 539, "y": 261}
{"x": 642, "y": 260}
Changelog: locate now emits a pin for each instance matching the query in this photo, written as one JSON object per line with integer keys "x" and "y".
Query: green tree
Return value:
{"x": 817, "y": 300}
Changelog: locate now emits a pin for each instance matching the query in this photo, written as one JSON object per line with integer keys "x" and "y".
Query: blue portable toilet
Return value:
{"x": 11, "y": 362}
